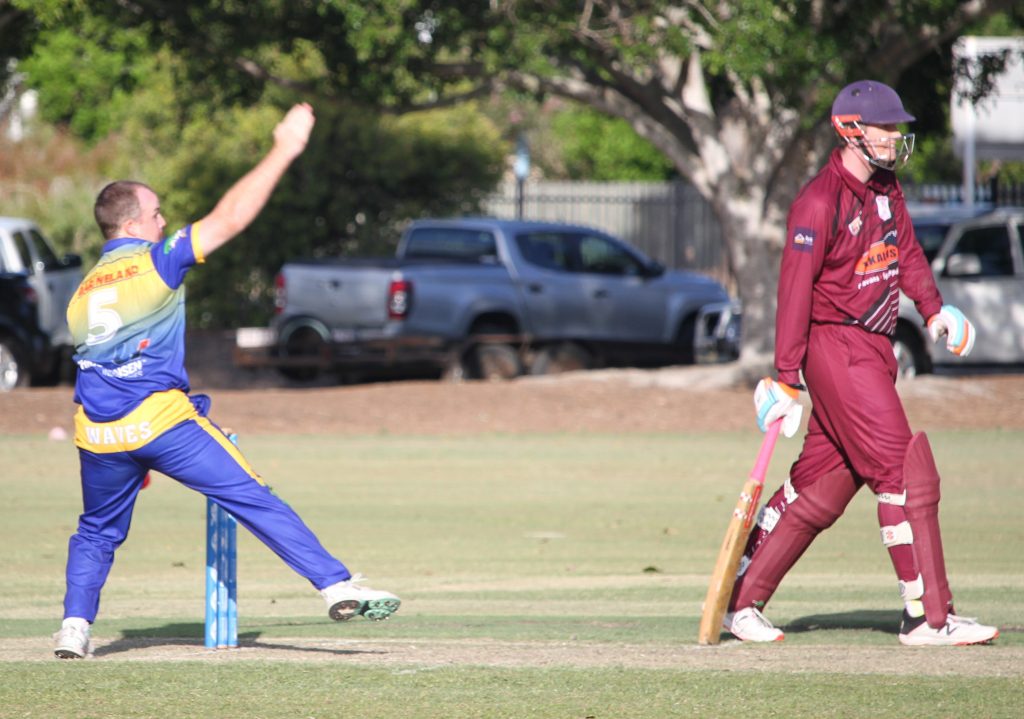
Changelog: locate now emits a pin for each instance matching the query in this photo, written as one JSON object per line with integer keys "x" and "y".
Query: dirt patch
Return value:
{"x": 665, "y": 400}
{"x": 414, "y": 656}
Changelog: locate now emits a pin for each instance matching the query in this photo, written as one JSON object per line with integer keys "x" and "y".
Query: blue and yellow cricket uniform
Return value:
{"x": 128, "y": 323}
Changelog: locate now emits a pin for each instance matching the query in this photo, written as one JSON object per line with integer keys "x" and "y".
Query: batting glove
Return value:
{"x": 958, "y": 329}
{"x": 773, "y": 400}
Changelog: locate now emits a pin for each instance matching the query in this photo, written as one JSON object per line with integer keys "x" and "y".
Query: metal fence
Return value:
{"x": 670, "y": 221}
{"x": 994, "y": 193}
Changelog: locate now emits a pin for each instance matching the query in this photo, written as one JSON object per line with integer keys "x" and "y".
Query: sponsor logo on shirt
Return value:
{"x": 106, "y": 278}
{"x": 883, "y": 207}
{"x": 803, "y": 239}
{"x": 880, "y": 263}
{"x": 881, "y": 256}
{"x": 172, "y": 241}
{"x": 125, "y": 371}
{"x": 854, "y": 227}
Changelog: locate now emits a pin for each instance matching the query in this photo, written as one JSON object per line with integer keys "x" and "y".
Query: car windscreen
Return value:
{"x": 930, "y": 237}
{"x": 988, "y": 250}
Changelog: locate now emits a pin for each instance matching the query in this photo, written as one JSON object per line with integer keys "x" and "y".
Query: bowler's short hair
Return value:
{"x": 117, "y": 203}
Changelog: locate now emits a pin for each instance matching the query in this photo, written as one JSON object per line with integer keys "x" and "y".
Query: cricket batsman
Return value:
{"x": 850, "y": 248}
{"x": 136, "y": 414}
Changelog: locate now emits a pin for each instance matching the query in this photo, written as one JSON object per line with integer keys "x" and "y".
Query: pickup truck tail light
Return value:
{"x": 280, "y": 296}
{"x": 399, "y": 299}
{"x": 29, "y": 294}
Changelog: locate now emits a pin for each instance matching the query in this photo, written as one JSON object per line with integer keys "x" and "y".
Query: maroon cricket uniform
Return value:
{"x": 850, "y": 248}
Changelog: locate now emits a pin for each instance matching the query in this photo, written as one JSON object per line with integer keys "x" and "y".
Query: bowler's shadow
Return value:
{"x": 875, "y": 620}
{"x": 192, "y": 634}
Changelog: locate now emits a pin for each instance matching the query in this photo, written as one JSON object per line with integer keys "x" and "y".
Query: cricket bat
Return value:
{"x": 724, "y": 577}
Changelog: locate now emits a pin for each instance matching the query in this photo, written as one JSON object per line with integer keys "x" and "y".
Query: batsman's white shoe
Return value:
{"x": 749, "y": 625}
{"x": 72, "y": 642}
{"x": 350, "y": 598}
{"x": 957, "y": 632}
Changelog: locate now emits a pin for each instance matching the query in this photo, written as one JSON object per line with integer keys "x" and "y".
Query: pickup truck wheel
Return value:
{"x": 306, "y": 346}
{"x": 911, "y": 357}
{"x": 685, "y": 351}
{"x": 13, "y": 368}
{"x": 564, "y": 357}
{"x": 57, "y": 371}
{"x": 493, "y": 361}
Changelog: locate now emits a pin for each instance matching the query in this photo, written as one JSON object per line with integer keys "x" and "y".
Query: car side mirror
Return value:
{"x": 963, "y": 264}
{"x": 71, "y": 260}
{"x": 654, "y": 269}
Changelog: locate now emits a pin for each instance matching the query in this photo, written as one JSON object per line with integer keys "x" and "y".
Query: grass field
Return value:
{"x": 542, "y": 576}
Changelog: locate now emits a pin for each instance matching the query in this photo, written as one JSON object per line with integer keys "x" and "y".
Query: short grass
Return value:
{"x": 506, "y": 538}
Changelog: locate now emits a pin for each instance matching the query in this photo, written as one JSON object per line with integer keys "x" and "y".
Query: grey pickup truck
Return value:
{"x": 492, "y": 299}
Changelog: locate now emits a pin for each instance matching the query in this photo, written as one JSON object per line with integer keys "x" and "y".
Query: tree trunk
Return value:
{"x": 754, "y": 246}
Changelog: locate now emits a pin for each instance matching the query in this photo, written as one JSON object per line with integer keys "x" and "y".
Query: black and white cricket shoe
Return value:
{"x": 957, "y": 632}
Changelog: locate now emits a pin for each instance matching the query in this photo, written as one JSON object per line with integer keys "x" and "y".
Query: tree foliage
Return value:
{"x": 595, "y": 147}
{"x": 349, "y": 194}
{"x": 17, "y": 33}
{"x": 189, "y": 129}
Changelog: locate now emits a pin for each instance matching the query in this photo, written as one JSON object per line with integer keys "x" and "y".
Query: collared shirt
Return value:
{"x": 127, "y": 318}
{"x": 850, "y": 249}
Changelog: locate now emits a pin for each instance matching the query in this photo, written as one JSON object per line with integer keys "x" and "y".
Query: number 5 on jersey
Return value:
{"x": 104, "y": 321}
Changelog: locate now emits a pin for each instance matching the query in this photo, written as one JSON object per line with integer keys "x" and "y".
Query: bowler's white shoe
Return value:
{"x": 349, "y": 598}
{"x": 957, "y": 632}
{"x": 750, "y": 625}
{"x": 72, "y": 641}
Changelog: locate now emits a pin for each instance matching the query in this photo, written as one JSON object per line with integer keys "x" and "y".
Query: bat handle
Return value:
{"x": 765, "y": 455}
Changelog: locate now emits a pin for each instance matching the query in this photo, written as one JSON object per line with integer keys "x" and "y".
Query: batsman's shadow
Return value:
{"x": 876, "y": 620}
{"x": 185, "y": 636}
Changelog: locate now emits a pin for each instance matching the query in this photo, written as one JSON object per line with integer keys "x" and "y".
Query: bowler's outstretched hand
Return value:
{"x": 292, "y": 133}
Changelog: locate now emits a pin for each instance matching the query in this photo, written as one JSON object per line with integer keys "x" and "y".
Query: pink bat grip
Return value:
{"x": 765, "y": 455}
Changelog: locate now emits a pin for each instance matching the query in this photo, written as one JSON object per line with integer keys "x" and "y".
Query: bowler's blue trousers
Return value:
{"x": 197, "y": 454}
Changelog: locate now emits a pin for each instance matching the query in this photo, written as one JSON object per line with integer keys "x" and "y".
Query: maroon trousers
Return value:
{"x": 857, "y": 433}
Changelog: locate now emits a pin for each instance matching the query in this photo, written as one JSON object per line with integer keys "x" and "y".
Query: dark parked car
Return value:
{"x": 24, "y": 348}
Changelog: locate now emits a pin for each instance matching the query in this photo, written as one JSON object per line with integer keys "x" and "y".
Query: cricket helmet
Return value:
{"x": 868, "y": 102}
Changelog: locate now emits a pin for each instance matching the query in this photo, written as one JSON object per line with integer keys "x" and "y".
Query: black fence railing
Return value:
{"x": 670, "y": 221}
{"x": 994, "y": 192}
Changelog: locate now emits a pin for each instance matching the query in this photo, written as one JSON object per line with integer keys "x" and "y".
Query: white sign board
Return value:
{"x": 993, "y": 129}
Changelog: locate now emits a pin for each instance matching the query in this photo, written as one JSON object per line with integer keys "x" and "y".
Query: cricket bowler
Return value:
{"x": 135, "y": 412}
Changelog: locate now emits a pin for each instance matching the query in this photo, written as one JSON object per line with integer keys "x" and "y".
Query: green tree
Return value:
{"x": 108, "y": 67}
{"x": 364, "y": 174}
{"x": 735, "y": 94}
{"x": 350, "y": 193}
{"x": 17, "y": 33}
{"x": 596, "y": 147}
